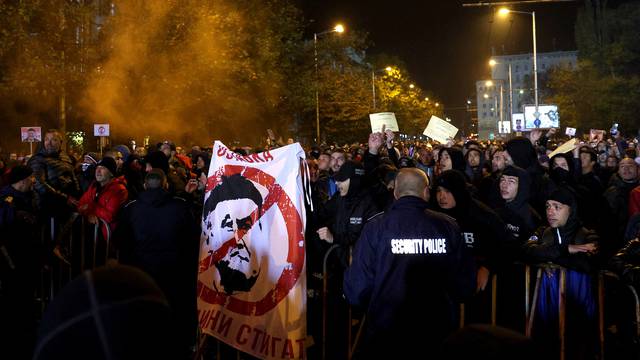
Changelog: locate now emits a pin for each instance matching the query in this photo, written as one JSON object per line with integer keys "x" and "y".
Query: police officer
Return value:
{"x": 409, "y": 268}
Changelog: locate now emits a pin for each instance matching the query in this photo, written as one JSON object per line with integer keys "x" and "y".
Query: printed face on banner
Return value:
{"x": 228, "y": 215}
{"x": 30, "y": 134}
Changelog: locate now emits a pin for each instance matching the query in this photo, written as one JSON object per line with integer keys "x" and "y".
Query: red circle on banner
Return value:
{"x": 295, "y": 234}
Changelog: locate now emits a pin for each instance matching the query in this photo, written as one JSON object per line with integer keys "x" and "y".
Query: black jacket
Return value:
{"x": 552, "y": 245}
{"x": 407, "y": 280}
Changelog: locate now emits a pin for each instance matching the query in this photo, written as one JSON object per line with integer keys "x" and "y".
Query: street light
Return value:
{"x": 337, "y": 29}
{"x": 388, "y": 69}
{"x": 488, "y": 83}
{"x": 493, "y": 63}
{"x": 411, "y": 86}
{"x": 504, "y": 12}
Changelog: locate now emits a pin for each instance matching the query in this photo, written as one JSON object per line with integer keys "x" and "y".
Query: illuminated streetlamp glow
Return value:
{"x": 411, "y": 86}
{"x": 437, "y": 104}
{"x": 486, "y": 96}
{"x": 489, "y": 83}
{"x": 426, "y": 99}
{"x": 389, "y": 68}
{"x": 503, "y": 12}
{"x": 492, "y": 62}
{"x": 339, "y": 28}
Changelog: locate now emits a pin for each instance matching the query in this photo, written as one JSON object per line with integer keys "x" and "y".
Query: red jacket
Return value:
{"x": 634, "y": 201}
{"x": 108, "y": 201}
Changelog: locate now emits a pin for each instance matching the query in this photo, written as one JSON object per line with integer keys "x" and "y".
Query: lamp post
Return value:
{"x": 373, "y": 83}
{"x": 505, "y": 12}
{"x": 493, "y": 63}
{"x": 338, "y": 29}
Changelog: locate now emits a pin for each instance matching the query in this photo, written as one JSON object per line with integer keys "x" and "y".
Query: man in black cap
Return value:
{"x": 18, "y": 262}
{"x": 343, "y": 217}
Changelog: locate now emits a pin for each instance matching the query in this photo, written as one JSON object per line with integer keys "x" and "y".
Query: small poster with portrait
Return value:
{"x": 100, "y": 129}
{"x": 31, "y": 134}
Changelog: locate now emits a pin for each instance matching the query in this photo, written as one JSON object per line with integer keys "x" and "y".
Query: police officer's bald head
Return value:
{"x": 411, "y": 182}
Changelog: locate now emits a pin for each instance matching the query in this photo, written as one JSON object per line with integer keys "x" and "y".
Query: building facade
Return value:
{"x": 503, "y": 95}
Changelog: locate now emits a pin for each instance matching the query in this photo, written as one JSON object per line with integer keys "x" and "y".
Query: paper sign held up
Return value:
{"x": 566, "y": 147}
{"x": 570, "y": 131}
{"x": 440, "y": 130}
{"x": 388, "y": 119}
{"x": 596, "y": 135}
{"x": 100, "y": 129}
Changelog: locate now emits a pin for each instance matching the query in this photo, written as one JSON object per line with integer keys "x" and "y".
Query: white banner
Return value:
{"x": 251, "y": 280}
{"x": 100, "y": 129}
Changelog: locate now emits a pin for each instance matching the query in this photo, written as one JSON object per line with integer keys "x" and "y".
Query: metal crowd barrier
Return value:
{"x": 72, "y": 236}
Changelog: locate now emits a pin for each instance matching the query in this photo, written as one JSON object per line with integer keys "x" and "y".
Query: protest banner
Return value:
{"x": 440, "y": 130}
{"x": 388, "y": 119}
{"x": 570, "y": 131}
{"x": 251, "y": 277}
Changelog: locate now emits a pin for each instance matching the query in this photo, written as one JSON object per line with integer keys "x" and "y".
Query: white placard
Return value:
{"x": 505, "y": 127}
{"x": 517, "y": 122}
{"x": 31, "y": 134}
{"x": 440, "y": 130}
{"x": 100, "y": 129}
{"x": 596, "y": 135}
{"x": 570, "y": 131}
{"x": 566, "y": 147}
{"x": 388, "y": 119}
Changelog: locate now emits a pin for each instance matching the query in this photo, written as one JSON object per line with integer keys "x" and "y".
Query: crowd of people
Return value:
{"x": 415, "y": 228}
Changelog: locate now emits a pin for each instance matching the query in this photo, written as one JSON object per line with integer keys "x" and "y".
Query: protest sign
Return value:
{"x": 100, "y": 129}
{"x": 596, "y": 135}
{"x": 440, "y": 130}
{"x": 31, "y": 134}
{"x": 566, "y": 147}
{"x": 388, "y": 119}
{"x": 570, "y": 131}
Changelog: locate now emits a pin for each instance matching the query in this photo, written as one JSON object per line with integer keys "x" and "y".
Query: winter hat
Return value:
{"x": 563, "y": 196}
{"x": 110, "y": 164}
{"x": 108, "y": 313}
{"x": 124, "y": 150}
{"x": 349, "y": 170}
{"x": 158, "y": 160}
{"x": 93, "y": 158}
{"x": 19, "y": 173}
{"x": 521, "y": 151}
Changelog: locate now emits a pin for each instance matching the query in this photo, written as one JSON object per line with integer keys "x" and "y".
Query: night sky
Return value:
{"x": 446, "y": 46}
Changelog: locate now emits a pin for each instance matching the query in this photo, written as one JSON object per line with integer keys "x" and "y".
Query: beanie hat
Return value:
{"x": 124, "y": 150}
{"x": 19, "y": 173}
{"x": 93, "y": 157}
{"x": 158, "y": 160}
{"x": 349, "y": 170}
{"x": 110, "y": 164}
{"x": 563, "y": 196}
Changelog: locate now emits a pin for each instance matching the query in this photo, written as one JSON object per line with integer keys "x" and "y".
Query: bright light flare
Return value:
{"x": 411, "y": 86}
{"x": 389, "y": 68}
{"x": 489, "y": 83}
{"x": 492, "y": 62}
{"x": 339, "y": 28}
{"x": 503, "y": 12}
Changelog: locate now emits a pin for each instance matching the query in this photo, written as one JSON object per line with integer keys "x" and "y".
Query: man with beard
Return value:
{"x": 239, "y": 268}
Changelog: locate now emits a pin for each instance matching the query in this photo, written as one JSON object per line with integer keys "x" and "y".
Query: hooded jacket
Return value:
{"x": 457, "y": 158}
{"x": 520, "y": 218}
{"x": 482, "y": 229}
{"x": 474, "y": 174}
{"x": 524, "y": 156}
{"x": 552, "y": 244}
